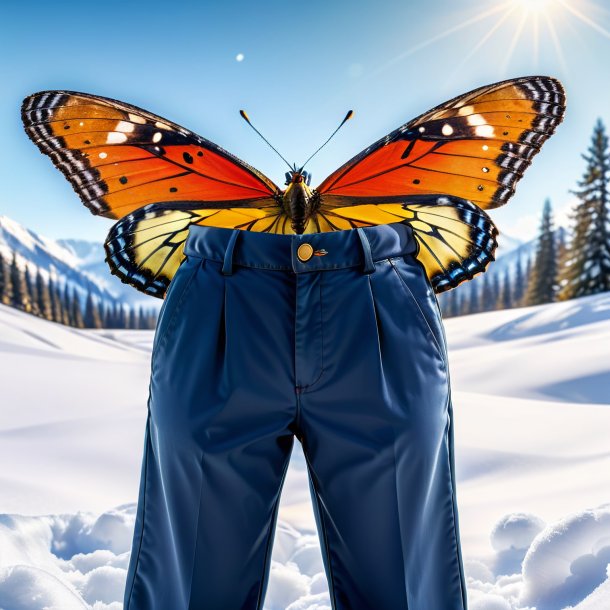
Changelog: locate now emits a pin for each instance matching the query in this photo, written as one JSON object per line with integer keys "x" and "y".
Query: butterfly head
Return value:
{"x": 297, "y": 176}
{"x": 298, "y": 200}
{"x": 297, "y": 183}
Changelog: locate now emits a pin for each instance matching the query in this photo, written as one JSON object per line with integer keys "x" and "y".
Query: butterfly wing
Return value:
{"x": 474, "y": 147}
{"x": 145, "y": 248}
{"x": 456, "y": 239}
{"x": 120, "y": 159}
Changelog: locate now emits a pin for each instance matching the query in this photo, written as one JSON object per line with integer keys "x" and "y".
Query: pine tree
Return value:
{"x": 526, "y": 277}
{"x": 132, "y": 319}
{"x": 117, "y": 311}
{"x": 470, "y": 302}
{"x": 122, "y": 322}
{"x": 104, "y": 314}
{"x": 542, "y": 284}
{"x": 6, "y": 286}
{"x": 562, "y": 251}
{"x": 42, "y": 296}
{"x": 91, "y": 318}
{"x": 505, "y": 300}
{"x": 76, "y": 315}
{"x": 449, "y": 302}
{"x": 495, "y": 290}
{"x": 519, "y": 282}
{"x": 458, "y": 297}
{"x": 18, "y": 281}
{"x": 151, "y": 318}
{"x": 99, "y": 308}
{"x": 51, "y": 288}
{"x": 486, "y": 298}
{"x": 109, "y": 314}
{"x": 55, "y": 303}
{"x": 587, "y": 264}
{"x": 66, "y": 317}
{"x": 30, "y": 283}
{"x": 141, "y": 318}
{"x": 59, "y": 304}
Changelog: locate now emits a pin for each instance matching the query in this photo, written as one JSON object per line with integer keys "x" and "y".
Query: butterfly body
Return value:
{"x": 300, "y": 202}
{"x": 439, "y": 173}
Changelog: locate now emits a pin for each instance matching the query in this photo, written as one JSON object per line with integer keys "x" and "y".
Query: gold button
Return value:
{"x": 305, "y": 252}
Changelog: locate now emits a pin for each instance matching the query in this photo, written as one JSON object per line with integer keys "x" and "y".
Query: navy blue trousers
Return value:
{"x": 335, "y": 338}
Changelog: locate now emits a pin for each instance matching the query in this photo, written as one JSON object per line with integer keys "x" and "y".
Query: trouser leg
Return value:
{"x": 376, "y": 438}
{"x": 217, "y": 447}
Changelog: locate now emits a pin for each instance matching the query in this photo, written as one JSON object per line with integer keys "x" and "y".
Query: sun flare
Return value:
{"x": 534, "y": 6}
{"x": 536, "y": 24}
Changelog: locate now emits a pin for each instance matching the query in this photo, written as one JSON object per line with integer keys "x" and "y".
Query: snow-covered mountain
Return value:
{"x": 79, "y": 262}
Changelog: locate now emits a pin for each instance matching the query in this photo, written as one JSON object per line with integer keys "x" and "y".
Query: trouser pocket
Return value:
{"x": 174, "y": 298}
{"x": 417, "y": 286}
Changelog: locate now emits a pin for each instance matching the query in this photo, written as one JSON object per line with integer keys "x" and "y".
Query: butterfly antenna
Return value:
{"x": 247, "y": 119}
{"x": 348, "y": 116}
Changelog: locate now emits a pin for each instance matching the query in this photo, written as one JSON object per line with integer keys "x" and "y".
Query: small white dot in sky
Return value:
{"x": 239, "y": 57}
{"x": 355, "y": 70}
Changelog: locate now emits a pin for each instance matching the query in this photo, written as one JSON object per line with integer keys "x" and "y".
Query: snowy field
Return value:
{"x": 531, "y": 394}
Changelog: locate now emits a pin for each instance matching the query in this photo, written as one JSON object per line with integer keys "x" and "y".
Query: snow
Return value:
{"x": 531, "y": 397}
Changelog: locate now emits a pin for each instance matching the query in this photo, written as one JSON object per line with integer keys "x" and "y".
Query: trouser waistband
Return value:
{"x": 301, "y": 253}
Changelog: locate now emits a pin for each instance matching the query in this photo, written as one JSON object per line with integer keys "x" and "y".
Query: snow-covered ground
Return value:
{"x": 531, "y": 395}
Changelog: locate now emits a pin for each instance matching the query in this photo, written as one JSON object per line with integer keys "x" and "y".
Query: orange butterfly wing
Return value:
{"x": 440, "y": 171}
{"x": 119, "y": 157}
{"x": 475, "y": 146}
{"x": 157, "y": 177}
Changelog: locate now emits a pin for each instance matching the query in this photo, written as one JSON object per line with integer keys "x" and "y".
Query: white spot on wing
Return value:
{"x": 476, "y": 119}
{"x": 484, "y": 131}
{"x": 135, "y": 118}
{"x": 447, "y": 129}
{"x": 114, "y": 137}
{"x": 157, "y": 137}
{"x": 125, "y": 127}
{"x": 162, "y": 125}
{"x": 103, "y": 155}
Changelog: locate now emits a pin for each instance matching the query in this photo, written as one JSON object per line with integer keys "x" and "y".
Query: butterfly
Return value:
{"x": 439, "y": 173}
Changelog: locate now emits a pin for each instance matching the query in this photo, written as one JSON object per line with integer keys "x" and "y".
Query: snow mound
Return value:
{"x": 568, "y": 560}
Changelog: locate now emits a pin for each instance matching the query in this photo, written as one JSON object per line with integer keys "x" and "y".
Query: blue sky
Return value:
{"x": 304, "y": 66}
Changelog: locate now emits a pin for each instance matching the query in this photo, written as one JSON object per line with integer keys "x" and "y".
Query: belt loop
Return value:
{"x": 227, "y": 265}
{"x": 369, "y": 265}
